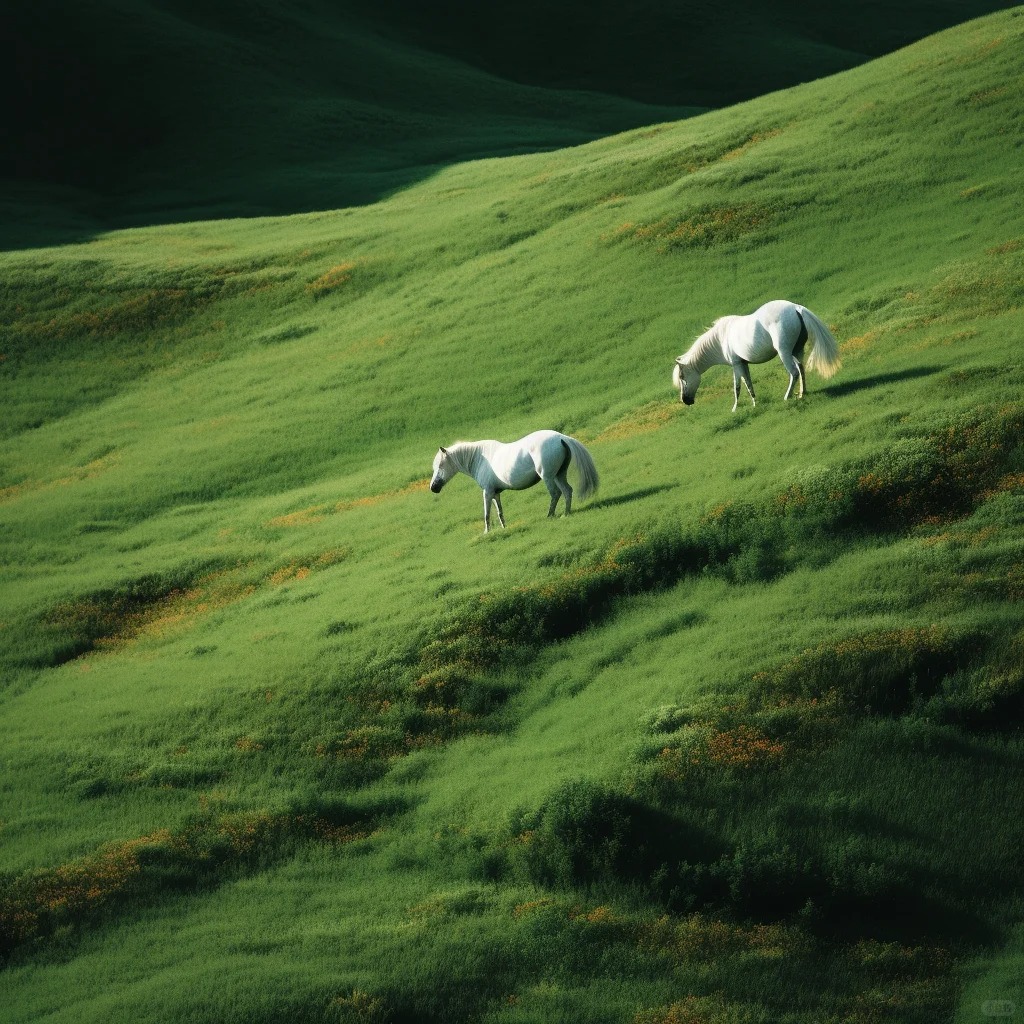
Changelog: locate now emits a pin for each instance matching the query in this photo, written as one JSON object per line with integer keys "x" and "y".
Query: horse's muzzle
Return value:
{"x": 687, "y": 400}
{"x": 436, "y": 485}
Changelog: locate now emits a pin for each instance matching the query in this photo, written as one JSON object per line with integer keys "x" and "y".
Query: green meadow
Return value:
{"x": 286, "y": 737}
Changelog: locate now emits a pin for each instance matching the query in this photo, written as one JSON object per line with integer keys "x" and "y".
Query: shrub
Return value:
{"x": 885, "y": 672}
{"x": 668, "y": 718}
{"x": 588, "y": 834}
{"x": 582, "y": 833}
{"x": 990, "y": 697}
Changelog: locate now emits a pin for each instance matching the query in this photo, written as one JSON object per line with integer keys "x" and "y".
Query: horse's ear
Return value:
{"x": 444, "y": 451}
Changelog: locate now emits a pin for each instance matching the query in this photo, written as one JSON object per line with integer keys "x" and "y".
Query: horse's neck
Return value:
{"x": 708, "y": 349}
{"x": 468, "y": 456}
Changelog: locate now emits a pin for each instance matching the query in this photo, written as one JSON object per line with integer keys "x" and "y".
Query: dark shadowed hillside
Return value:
{"x": 694, "y": 52}
{"x": 135, "y": 111}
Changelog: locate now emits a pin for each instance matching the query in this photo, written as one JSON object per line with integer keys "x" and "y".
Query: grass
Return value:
{"x": 286, "y": 737}
{"x": 135, "y": 112}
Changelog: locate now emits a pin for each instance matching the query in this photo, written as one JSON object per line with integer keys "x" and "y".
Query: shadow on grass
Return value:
{"x": 623, "y": 499}
{"x": 880, "y": 380}
{"x": 127, "y": 877}
{"x": 43, "y": 215}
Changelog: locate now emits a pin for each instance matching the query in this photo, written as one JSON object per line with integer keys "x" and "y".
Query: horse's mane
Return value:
{"x": 708, "y": 340}
{"x": 458, "y": 450}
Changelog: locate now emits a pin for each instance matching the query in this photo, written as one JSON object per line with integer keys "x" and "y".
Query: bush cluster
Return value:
{"x": 592, "y": 836}
{"x": 884, "y": 672}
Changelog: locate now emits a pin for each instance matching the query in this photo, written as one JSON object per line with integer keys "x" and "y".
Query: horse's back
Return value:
{"x": 520, "y": 464}
{"x": 767, "y": 329}
{"x": 544, "y": 447}
{"x": 773, "y": 311}
{"x": 538, "y": 437}
{"x": 540, "y": 442}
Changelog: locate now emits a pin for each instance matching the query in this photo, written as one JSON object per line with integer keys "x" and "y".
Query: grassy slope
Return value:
{"x": 222, "y": 577}
{"x": 147, "y": 112}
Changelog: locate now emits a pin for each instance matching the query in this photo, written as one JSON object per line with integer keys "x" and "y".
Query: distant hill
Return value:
{"x": 133, "y": 111}
{"x": 139, "y": 111}
{"x": 692, "y": 52}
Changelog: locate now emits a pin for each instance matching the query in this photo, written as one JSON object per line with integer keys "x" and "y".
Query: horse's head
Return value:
{"x": 444, "y": 470}
{"x": 687, "y": 379}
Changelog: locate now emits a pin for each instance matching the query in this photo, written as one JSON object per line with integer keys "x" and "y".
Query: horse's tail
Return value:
{"x": 824, "y": 357}
{"x": 586, "y": 471}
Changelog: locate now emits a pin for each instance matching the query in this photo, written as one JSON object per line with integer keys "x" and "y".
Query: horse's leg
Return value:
{"x": 745, "y": 372}
{"x": 735, "y": 387}
{"x": 501, "y": 514}
{"x": 798, "y": 354}
{"x": 791, "y": 360}
{"x": 564, "y": 487}
{"x": 488, "y": 496}
{"x": 555, "y": 493}
{"x": 562, "y": 478}
{"x": 795, "y": 373}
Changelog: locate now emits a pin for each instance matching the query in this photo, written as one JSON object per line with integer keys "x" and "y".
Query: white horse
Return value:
{"x": 496, "y": 467}
{"x": 777, "y": 327}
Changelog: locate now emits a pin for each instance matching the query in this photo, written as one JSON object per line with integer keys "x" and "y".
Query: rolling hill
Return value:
{"x": 132, "y": 112}
{"x": 287, "y": 738}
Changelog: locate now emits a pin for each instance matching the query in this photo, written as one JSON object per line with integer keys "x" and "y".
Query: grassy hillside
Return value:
{"x": 134, "y": 112}
{"x": 287, "y": 738}
{"x": 127, "y": 112}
